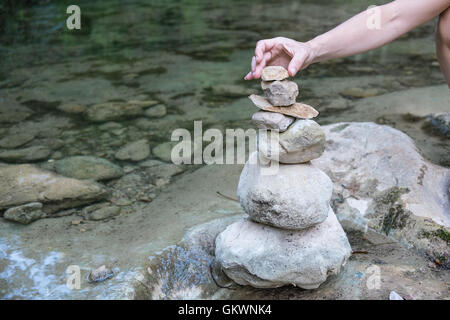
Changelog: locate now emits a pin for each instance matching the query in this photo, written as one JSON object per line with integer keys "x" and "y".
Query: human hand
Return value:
{"x": 288, "y": 53}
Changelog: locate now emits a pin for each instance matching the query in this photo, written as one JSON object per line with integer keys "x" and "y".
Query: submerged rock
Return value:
{"x": 30, "y": 154}
{"x": 296, "y": 197}
{"x": 22, "y": 184}
{"x": 72, "y": 108}
{"x": 26, "y": 213}
{"x": 271, "y": 121}
{"x": 273, "y": 73}
{"x": 117, "y": 110}
{"x": 280, "y": 93}
{"x": 157, "y": 111}
{"x": 88, "y": 167}
{"x": 266, "y": 257}
{"x": 134, "y": 151}
{"x": 302, "y": 142}
{"x": 15, "y": 140}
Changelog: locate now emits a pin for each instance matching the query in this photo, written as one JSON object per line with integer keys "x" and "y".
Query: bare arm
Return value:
{"x": 356, "y": 36}
{"x": 351, "y": 37}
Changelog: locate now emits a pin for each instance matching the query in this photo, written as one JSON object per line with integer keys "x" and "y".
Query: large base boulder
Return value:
{"x": 266, "y": 257}
{"x": 296, "y": 197}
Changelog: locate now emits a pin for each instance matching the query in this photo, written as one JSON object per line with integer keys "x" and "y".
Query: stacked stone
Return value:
{"x": 291, "y": 235}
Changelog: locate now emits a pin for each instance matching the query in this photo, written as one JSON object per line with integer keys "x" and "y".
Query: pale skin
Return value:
{"x": 354, "y": 36}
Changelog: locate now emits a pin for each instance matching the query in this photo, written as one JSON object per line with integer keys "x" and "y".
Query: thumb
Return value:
{"x": 296, "y": 64}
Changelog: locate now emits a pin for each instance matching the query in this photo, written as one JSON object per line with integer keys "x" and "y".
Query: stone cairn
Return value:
{"x": 291, "y": 234}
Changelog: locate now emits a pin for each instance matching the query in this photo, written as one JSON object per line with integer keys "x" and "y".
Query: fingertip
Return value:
{"x": 292, "y": 72}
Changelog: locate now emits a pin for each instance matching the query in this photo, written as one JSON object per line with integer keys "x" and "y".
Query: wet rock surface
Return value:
{"x": 26, "y": 213}
{"x": 88, "y": 167}
{"x": 100, "y": 211}
{"x": 30, "y": 154}
{"x": 134, "y": 151}
{"x": 22, "y": 184}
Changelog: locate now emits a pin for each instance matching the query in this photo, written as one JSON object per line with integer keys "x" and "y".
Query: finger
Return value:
{"x": 261, "y": 47}
{"x": 258, "y": 70}
{"x": 253, "y": 65}
{"x": 249, "y": 76}
{"x": 296, "y": 63}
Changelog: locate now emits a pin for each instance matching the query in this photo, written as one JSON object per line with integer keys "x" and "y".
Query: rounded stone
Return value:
{"x": 295, "y": 197}
{"x": 303, "y": 141}
{"x": 265, "y": 257}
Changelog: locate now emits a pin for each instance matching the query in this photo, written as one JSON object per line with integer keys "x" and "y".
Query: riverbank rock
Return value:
{"x": 100, "y": 211}
{"x": 280, "y": 93}
{"x": 296, "y": 197}
{"x": 303, "y": 141}
{"x": 25, "y": 214}
{"x": 271, "y": 121}
{"x": 382, "y": 182}
{"x": 272, "y": 73}
{"x": 22, "y": 184}
{"x": 441, "y": 122}
{"x": 134, "y": 151}
{"x": 88, "y": 167}
{"x": 30, "y": 154}
{"x": 266, "y": 257}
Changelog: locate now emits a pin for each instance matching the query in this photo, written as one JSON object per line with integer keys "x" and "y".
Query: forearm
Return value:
{"x": 356, "y": 36}
{"x": 443, "y": 44}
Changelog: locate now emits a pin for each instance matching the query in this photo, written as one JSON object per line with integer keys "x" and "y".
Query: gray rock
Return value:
{"x": 135, "y": 151}
{"x": 15, "y": 140}
{"x": 21, "y": 184}
{"x": 280, "y": 93}
{"x": 271, "y": 121}
{"x": 72, "y": 108}
{"x": 303, "y": 141}
{"x": 88, "y": 167}
{"x": 296, "y": 197}
{"x": 100, "y": 211}
{"x": 441, "y": 121}
{"x": 116, "y": 110}
{"x": 26, "y": 213}
{"x": 163, "y": 151}
{"x": 382, "y": 182}
{"x": 162, "y": 169}
{"x": 157, "y": 111}
{"x": 266, "y": 257}
{"x": 30, "y": 154}
{"x": 272, "y": 73}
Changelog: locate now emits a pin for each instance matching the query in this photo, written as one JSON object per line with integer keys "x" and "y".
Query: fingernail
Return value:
{"x": 253, "y": 63}
{"x": 292, "y": 71}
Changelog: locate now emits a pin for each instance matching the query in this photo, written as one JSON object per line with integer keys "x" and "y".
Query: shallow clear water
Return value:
{"x": 178, "y": 52}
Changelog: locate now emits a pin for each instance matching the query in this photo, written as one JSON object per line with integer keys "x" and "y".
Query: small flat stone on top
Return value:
{"x": 296, "y": 110}
{"x": 273, "y": 73}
